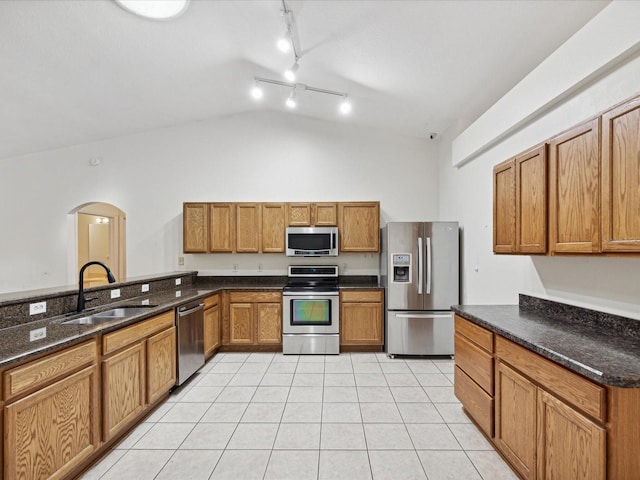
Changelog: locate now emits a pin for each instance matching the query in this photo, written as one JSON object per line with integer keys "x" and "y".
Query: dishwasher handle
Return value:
{"x": 184, "y": 313}
{"x": 423, "y": 315}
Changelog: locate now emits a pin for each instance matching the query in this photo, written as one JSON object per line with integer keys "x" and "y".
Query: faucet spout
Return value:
{"x": 81, "y": 299}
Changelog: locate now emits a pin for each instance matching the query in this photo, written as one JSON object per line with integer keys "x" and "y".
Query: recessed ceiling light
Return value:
{"x": 155, "y": 9}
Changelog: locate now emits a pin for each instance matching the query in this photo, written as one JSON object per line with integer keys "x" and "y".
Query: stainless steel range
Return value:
{"x": 311, "y": 311}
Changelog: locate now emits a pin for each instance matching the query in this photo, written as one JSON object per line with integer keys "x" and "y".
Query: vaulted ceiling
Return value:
{"x": 76, "y": 71}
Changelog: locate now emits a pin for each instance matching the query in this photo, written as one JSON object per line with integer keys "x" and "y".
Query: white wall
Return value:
{"x": 264, "y": 156}
{"x": 606, "y": 284}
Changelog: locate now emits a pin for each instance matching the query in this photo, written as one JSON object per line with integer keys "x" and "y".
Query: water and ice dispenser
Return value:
{"x": 401, "y": 265}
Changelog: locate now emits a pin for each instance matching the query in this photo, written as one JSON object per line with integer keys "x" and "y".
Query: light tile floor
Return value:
{"x": 272, "y": 416}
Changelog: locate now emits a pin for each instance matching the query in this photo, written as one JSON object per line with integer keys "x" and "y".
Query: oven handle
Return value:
{"x": 311, "y": 294}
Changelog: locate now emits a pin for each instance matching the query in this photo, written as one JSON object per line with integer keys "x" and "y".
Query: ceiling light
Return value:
{"x": 155, "y": 9}
{"x": 257, "y": 92}
{"x": 345, "y": 106}
{"x": 284, "y": 42}
{"x": 291, "y": 101}
{"x": 290, "y": 74}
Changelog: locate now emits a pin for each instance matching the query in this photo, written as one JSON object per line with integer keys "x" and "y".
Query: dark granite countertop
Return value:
{"x": 604, "y": 348}
{"x": 16, "y": 344}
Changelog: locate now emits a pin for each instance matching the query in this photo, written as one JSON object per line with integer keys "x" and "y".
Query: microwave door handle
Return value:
{"x": 333, "y": 240}
{"x": 419, "y": 265}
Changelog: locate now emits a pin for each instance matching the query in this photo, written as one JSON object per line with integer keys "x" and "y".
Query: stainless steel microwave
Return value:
{"x": 312, "y": 242}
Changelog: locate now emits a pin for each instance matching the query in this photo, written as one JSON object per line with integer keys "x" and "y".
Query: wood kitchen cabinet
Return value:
{"x": 621, "y": 178}
{"x": 195, "y": 231}
{"x": 361, "y": 320}
{"x": 248, "y": 222}
{"x": 51, "y": 430}
{"x": 254, "y": 319}
{"x": 359, "y": 226}
{"x": 322, "y": 214}
{"x": 272, "y": 227}
{"x": 520, "y": 203}
{"x": 138, "y": 368}
{"x": 211, "y": 324}
{"x": 222, "y": 234}
{"x": 574, "y": 190}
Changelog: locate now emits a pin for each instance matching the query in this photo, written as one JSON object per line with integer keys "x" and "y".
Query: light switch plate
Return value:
{"x": 115, "y": 293}
{"x": 145, "y": 287}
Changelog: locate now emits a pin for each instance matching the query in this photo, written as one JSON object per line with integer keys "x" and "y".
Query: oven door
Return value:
{"x": 310, "y": 313}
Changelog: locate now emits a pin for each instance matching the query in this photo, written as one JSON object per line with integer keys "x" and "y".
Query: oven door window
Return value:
{"x": 310, "y": 312}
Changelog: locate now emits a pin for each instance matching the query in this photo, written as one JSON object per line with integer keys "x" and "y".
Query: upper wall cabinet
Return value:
{"x": 248, "y": 222}
{"x": 359, "y": 226}
{"x": 312, "y": 214}
{"x": 273, "y": 218}
{"x": 520, "y": 203}
{"x": 621, "y": 178}
{"x": 574, "y": 190}
{"x": 195, "y": 234}
{"x": 222, "y": 233}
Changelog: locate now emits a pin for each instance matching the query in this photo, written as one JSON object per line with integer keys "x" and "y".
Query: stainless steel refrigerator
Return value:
{"x": 419, "y": 269}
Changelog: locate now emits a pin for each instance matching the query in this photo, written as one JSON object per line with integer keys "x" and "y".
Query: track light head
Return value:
{"x": 256, "y": 92}
{"x": 284, "y": 42}
{"x": 290, "y": 73}
{"x": 345, "y": 106}
{"x": 291, "y": 101}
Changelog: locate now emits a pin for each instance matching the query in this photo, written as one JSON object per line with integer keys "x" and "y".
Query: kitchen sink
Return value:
{"x": 109, "y": 315}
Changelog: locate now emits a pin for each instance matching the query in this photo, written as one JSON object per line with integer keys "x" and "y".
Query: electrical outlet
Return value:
{"x": 38, "y": 334}
{"x": 180, "y": 260}
{"x": 178, "y": 293}
{"x": 178, "y": 281}
{"x": 344, "y": 268}
{"x": 145, "y": 302}
{"x": 235, "y": 267}
{"x": 36, "y": 308}
{"x": 145, "y": 287}
{"x": 115, "y": 293}
{"x": 259, "y": 267}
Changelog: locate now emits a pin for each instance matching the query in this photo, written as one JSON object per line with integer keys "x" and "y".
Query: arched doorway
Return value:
{"x": 97, "y": 232}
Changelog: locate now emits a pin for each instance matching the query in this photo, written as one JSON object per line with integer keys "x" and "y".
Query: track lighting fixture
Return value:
{"x": 256, "y": 91}
{"x": 291, "y": 102}
{"x": 284, "y": 42}
{"x": 290, "y": 73}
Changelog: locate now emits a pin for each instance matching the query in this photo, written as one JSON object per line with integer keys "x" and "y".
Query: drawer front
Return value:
{"x": 42, "y": 371}
{"x": 211, "y": 301}
{"x": 475, "y": 362}
{"x": 476, "y": 333}
{"x": 581, "y": 393}
{"x": 361, "y": 296}
{"x": 255, "y": 297}
{"x": 125, "y": 336}
{"x": 475, "y": 401}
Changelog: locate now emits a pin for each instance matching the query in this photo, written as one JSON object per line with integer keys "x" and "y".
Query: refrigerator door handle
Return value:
{"x": 428, "y": 265}
{"x": 420, "y": 265}
{"x": 420, "y": 315}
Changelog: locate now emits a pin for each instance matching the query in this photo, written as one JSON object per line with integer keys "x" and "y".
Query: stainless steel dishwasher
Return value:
{"x": 190, "y": 327}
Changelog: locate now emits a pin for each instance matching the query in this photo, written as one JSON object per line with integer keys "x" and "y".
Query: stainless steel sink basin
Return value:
{"x": 108, "y": 315}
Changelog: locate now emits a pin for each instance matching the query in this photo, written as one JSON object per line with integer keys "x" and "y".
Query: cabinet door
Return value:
{"x": 574, "y": 190}
{"x": 241, "y": 324}
{"x": 211, "y": 329}
{"x": 247, "y": 227}
{"x": 195, "y": 227}
{"x": 123, "y": 389}
{"x": 621, "y": 178}
{"x": 531, "y": 201}
{"x": 269, "y": 323}
{"x": 504, "y": 207}
{"x": 273, "y": 219}
{"x": 299, "y": 214}
{"x": 222, "y": 227}
{"x": 51, "y": 431}
{"x": 359, "y": 226}
{"x": 325, "y": 214}
{"x": 361, "y": 324}
{"x": 515, "y": 429}
{"x": 161, "y": 364}
{"x": 570, "y": 446}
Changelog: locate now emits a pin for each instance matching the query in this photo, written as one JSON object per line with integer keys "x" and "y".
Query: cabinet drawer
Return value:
{"x": 211, "y": 301}
{"x": 475, "y": 400}
{"x": 361, "y": 295}
{"x": 45, "y": 370}
{"x": 475, "y": 362}
{"x": 123, "y": 337}
{"x": 571, "y": 387}
{"x": 255, "y": 297}
{"x": 477, "y": 334}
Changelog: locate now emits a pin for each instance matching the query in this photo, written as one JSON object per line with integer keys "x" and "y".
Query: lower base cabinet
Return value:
{"x": 211, "y": 324}
{"x": 253, "y": 319}
{"x": 361, "y": 320}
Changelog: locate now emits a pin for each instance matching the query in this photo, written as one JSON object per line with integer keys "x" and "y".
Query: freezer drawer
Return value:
{"x": 419, "y": 333}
